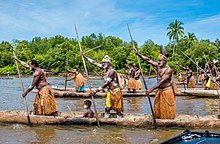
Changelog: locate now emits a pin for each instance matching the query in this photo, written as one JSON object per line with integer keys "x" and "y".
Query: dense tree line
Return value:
{"x": 57, "y": 53}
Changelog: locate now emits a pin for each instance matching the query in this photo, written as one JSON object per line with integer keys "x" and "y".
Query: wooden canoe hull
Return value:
{"x": 133, "y": 120}
{"x": 202, "y": 93}
{"x": 10, "y": 78}
{"x": 184, "y": 83}
{"x": 71, "y": 93}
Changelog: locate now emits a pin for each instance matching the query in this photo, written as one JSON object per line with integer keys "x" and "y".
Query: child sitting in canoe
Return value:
{"x": 88, "y": 113}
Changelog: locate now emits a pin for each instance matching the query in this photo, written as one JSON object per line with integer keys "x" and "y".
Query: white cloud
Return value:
{"x": 207, "y": 28}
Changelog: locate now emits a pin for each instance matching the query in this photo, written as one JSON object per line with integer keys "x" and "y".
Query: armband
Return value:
{"x": 30, "y": 87}
{"x": 108, "y": 79}
{"x": 100, "y": 88}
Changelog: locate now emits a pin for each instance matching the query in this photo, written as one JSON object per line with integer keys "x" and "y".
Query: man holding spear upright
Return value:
{"x": 164, "y": 103}
{"x": 44, "y": 103}
{"x": 190, "y": 80}
{"x": 114, "y": 98}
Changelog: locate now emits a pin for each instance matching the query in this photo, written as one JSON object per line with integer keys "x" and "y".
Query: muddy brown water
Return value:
{"x": 11, "y": 99}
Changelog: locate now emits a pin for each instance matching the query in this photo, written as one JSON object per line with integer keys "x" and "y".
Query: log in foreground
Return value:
{"x": 129, "y": 120}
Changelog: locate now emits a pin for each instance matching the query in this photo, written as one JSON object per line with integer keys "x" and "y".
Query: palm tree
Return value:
{"x": 189, "y": 39}
{"x": 175, "y": 32}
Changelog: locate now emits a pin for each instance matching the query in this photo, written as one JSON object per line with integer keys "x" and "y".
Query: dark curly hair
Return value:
{"x": 35, "y": 63}
{"x": 88, "y": 103}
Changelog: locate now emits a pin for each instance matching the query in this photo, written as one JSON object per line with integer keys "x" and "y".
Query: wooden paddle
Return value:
{"x": 87, "y": 76}
{"x": 22, "y": 90}
{"x": 142, "y": 75}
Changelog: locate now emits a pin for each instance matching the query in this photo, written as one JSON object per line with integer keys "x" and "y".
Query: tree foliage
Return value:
{"x": 57, "y": 53}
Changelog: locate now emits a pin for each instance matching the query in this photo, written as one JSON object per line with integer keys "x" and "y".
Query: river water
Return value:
{"x": 11, "y": 99}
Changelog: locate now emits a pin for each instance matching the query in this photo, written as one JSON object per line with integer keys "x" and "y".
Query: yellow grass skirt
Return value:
{"x": 114, "y": 100}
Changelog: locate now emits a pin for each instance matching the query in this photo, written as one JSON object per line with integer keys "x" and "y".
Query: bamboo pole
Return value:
{"x": 87, "y": 76}
{"x": 92, "y": 49}
{"x": 142, "y": 75}
{"x": 22, "y": 90}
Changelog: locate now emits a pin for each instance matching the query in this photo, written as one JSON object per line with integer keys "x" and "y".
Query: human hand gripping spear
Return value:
{"x": 87, "y": 76}
{"x": 142, "y": 75}
{"x": 22, "y": 88}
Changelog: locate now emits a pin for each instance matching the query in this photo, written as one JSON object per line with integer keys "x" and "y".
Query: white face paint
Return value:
{"x": 104, "y": 65}
{"x": 85, "y": 106}
{"x": 161, "y": 63}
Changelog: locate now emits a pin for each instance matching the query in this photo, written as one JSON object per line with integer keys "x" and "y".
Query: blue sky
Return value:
{"x": 147, "y": 19}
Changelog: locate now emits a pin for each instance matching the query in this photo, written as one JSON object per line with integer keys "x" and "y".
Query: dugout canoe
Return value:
{"x": 184, "y": 83}
{"x": 133, "y": 120}
{"x": 202, "y": 93}
{"x": 194, "y": 138}
{"x": 71, "y": 93}
{"x": 10, "y": 78}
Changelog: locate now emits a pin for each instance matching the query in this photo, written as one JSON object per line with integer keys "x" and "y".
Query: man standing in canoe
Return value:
{"x": 214, "y": 71}
{"x": 207, "y": 74}
{"x": 164, "y": 103}
{"x": 44, "y": 103}
{"x": 114, "y": 98}
{"x": 131, "y": 82}
{"x": 190, "y": 80}
{"x": 180, "y": 79}
{"x": 78, "y": 80}
{"x": 137, "y": 78}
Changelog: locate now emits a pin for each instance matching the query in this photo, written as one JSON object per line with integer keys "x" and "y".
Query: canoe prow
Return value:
{"x": 202, "y": 93}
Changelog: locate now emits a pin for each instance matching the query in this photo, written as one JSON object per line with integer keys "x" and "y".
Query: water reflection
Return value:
{"x": 43, "y": 134}
{"x": 212, "y": 105}
{"x": 114, "y": 136}
{"x": 134, "y": 104}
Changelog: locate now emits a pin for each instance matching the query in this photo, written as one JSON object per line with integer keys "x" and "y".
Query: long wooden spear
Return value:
{"x": 87, "y": 76}
{"x": 142, "y": 75}
{"x": 92, "y": 49}
{"x": 22, "y": 90}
